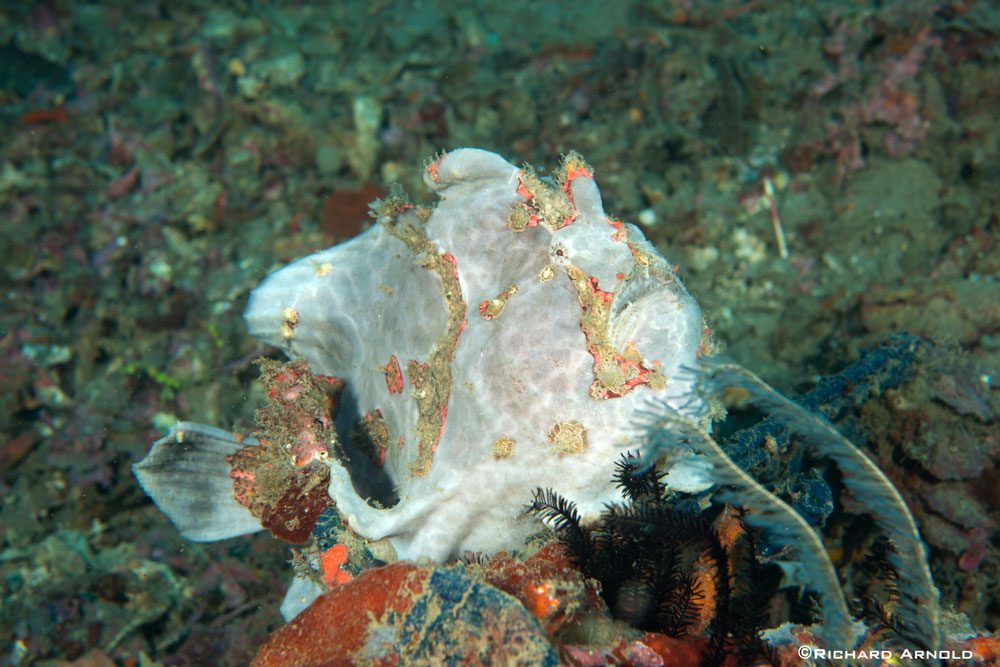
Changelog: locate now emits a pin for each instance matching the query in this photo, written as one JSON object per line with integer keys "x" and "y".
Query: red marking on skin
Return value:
{"x": 620, "y": 232}
{"x": 620, "y": 360}
{"x": 432, "y": 169}
{"x": 444, "y": 420}
{"x": 448, "y": 257}
{"x": 572, "y": 216}
{"x": 606, "y": 297}
{"x": 619, "y": 276}
{"x": 241, "y": 466}
{"x": 331, "y": 561}
{"x": 393, "y": 375}
{"x": 522, "y": 189}
{"x": 573, "y": 174}
{"x": 329, "y": 379}
{"x": 483, "y": 307}
{"x": 243, "y": 488}
{"x": 402, "y": 441}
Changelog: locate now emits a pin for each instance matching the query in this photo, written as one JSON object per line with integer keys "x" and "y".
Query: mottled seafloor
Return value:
{"x": 157, "y": 161}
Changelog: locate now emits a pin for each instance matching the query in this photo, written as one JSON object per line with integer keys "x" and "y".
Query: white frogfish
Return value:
{"x": 506, "y": 337}
{"x": 504, "y": 340}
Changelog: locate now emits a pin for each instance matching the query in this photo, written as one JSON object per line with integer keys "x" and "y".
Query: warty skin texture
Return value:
{"x": 536, "y": 386}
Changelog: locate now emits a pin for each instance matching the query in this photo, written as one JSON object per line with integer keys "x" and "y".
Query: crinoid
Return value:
{"x": 668, "y": 569}
{"x": 877, "y": 596}
{"x": 668, "y": 435}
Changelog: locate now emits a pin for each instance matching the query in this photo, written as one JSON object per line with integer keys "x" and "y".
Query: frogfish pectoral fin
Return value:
{"x": 187, "y": 476}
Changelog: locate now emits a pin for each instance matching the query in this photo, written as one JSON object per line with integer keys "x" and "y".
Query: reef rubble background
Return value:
{"x": 158, "y": 160}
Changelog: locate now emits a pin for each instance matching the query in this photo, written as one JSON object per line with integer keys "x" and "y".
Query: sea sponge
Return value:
{"x": 500, "y": 342}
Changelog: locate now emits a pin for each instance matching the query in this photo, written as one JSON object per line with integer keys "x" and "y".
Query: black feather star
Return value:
{"x": 636, "y": 483}
{"x": 662, "y": 569}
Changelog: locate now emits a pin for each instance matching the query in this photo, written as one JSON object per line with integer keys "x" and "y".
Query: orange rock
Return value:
{"x": 402, "y": 614}
{"x": 548, "y": 585}
{"x": 686, "y": 652}
{"x": 336, "y": 626}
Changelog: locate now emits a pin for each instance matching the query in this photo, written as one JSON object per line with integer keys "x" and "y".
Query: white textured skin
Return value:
{"x": 515, "y": 376}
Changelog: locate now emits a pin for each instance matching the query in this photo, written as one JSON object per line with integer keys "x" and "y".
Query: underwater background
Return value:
{"x": 824, "y": 174}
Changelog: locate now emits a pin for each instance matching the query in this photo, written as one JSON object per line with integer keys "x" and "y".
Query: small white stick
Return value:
{"x": 772, "y": 204}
